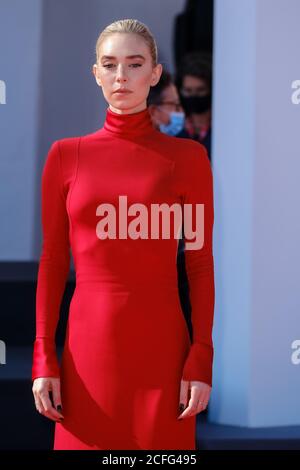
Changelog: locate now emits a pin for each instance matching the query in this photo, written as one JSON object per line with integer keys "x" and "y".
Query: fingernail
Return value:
{"x": 181, "y": 407}
{"x": 59, "y": 408}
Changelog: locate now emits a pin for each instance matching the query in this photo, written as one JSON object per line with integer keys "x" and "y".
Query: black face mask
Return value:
{"x": 195, "y": 104}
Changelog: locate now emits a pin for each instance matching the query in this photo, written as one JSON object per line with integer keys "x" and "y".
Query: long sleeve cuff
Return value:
{"x": 45, "y": 362}
{"x": 198, "y": 364}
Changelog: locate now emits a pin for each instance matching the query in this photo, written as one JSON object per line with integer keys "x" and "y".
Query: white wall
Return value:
{"x": 257, "y": 232}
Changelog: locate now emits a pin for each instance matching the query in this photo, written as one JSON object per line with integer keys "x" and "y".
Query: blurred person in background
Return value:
{"x": 194, "y": 83}
{"x": 164, "y": 106}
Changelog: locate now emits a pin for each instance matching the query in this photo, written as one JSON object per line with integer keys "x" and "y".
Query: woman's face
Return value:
{"x": 124, "y": 61}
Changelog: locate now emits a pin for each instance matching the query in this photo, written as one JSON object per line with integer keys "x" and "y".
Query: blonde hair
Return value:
{"x": 129, "y": 26}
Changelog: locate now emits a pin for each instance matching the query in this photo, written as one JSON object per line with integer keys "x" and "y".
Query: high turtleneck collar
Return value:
{"x": 128, "y": 124}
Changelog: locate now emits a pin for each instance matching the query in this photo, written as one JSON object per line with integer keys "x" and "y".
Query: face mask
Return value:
{"x": 195, "y": 104}
{"x": 175, "y": 125}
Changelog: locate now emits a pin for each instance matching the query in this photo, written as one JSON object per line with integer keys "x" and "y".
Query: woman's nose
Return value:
{"x": 121, "y": 75}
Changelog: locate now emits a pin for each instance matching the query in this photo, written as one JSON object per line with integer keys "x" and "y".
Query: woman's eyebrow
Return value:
{"x": 134, "y": 56}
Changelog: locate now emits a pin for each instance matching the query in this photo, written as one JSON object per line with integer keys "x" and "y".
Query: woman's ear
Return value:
{"x": 156, "y": 74}
{"x": 94, "y": 71}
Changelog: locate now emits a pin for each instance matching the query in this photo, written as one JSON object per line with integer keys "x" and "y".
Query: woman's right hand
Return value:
{"x": 41, "y": 388}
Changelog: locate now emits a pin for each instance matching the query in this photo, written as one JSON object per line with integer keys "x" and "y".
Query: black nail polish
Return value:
{"x": 181, "y": 407}
{"x": 59, "y": 408}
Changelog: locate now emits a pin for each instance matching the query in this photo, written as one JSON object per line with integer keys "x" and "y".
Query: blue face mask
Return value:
{"x": 175, "y": 125}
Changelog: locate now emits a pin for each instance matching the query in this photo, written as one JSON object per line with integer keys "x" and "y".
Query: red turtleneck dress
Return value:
{"x": 127, "y": 345}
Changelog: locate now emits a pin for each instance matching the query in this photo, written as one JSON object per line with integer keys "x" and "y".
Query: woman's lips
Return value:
{"x": 121, "y": 92}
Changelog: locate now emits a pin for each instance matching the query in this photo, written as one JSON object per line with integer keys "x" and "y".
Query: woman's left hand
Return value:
{"x": 199, "y": 397}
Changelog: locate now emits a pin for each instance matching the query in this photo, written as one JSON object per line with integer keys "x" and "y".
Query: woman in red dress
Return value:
{"x": 130, "y": 376}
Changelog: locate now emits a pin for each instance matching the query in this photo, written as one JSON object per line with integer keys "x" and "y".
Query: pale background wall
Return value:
{"x": 256, "y": 170}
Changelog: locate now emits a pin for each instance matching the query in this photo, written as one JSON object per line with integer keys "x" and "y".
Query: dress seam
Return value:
{"x": 61, "y": 182}
{"x": 72, "y": 187}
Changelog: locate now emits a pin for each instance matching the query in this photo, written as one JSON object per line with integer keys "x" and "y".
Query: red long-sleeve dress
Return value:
{"x": 127, "y": 345}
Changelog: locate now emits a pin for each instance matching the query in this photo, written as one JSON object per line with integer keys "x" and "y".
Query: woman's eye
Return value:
{"x": 109, "y": 66}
